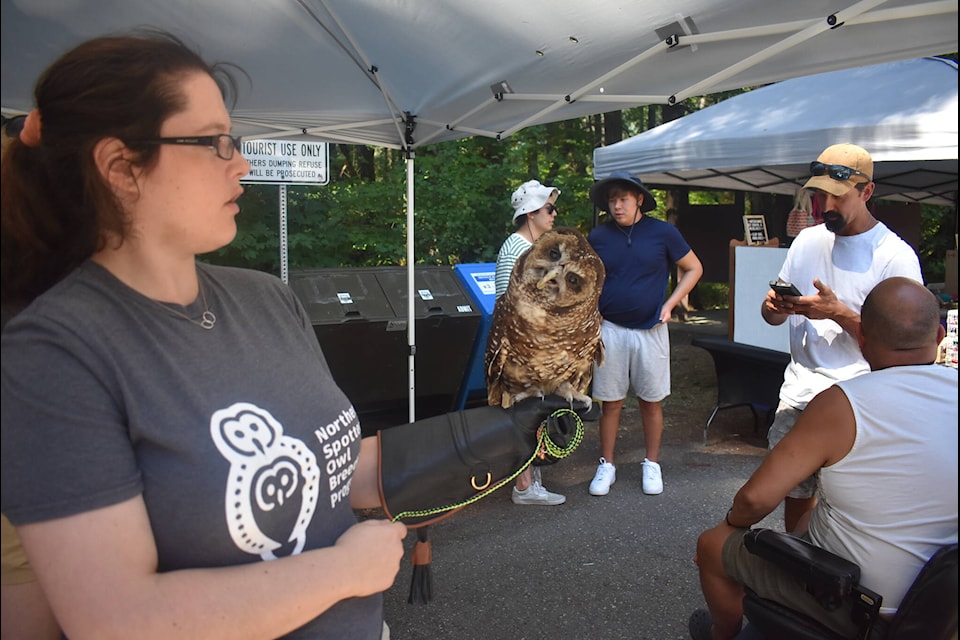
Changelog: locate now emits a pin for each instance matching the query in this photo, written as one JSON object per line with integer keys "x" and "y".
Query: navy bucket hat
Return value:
{"x": 598, "y": 192}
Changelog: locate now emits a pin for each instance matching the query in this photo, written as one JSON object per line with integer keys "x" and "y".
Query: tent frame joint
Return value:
{"x": 409, "y": 125}
{"x": 832, "y": 21}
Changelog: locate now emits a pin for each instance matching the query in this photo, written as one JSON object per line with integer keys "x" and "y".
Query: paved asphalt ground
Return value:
{"x": 595, "y": 568}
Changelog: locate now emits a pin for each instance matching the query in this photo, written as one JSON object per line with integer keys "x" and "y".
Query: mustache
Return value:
{"x": 833, "y": 221}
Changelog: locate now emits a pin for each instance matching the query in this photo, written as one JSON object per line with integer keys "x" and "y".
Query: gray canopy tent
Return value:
{"x": 405, "y": 74}
{"x": 903, "y": 112}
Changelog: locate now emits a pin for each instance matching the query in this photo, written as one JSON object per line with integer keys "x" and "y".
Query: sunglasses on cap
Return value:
{"x": 835, "y": 171}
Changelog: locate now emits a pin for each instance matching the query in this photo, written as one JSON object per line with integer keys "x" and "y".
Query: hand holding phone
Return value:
{"x": 784, "y": 288}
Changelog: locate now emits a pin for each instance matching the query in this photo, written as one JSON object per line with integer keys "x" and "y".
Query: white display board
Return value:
{"x": 754, "y": 268}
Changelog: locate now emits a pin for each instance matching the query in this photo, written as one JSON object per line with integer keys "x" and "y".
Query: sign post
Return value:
{"x": 284, "y": 162}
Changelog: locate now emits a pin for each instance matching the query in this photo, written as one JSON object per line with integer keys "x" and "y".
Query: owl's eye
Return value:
{"x": 554, "y": 254}
{"x": 573, "y": 279}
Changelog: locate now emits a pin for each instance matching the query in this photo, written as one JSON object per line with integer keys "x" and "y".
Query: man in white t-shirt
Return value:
{"x": 834, "y": 265}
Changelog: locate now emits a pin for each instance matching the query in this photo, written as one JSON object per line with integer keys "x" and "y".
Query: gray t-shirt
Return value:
{"x": 238, "y": 438}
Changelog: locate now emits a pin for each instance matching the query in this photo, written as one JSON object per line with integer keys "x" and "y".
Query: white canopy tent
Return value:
{"x": 903, "y": 112}
{"x": 404, "y": 74}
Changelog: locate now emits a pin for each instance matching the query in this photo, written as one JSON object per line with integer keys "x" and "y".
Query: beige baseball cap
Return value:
{"x": 840, "y": 168}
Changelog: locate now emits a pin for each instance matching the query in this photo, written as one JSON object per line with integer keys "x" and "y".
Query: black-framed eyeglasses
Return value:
{"x": 13, "y": 125}
{"x": 223, "y": 144}
{"x": 551, "y": 208}
{"x": 835, "y": 171}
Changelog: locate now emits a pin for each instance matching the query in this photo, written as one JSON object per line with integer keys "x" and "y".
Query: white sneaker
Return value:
{"x": 652, "y": 479}
{"x": 536, "y": 494}
{"x": 606, "y": 476}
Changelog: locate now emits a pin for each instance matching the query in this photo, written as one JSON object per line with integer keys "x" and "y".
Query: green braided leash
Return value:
{"x": 545, "y": 446}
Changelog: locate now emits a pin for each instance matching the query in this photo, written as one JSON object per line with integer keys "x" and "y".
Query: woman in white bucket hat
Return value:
{"x": 534, "y": 212}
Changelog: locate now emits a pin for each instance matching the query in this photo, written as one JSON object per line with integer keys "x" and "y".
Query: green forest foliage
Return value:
{"x": 462, "y": 198}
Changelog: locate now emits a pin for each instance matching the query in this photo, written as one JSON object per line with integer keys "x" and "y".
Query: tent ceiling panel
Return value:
{"x": 350, "y": 70}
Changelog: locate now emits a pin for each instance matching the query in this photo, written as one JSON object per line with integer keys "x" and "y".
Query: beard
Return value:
{"x": 833, "y": 221}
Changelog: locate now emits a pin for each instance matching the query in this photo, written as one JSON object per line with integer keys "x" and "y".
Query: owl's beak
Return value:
{"x": 548, "y": 276}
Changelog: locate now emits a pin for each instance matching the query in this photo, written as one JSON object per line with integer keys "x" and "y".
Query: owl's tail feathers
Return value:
{"x": 421, "y": 584}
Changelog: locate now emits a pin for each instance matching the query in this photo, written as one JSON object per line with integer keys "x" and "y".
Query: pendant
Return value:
{"x": 207, "y": 320}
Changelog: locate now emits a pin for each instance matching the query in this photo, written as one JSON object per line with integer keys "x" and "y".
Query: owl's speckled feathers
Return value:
{"x": 545, "y": 332}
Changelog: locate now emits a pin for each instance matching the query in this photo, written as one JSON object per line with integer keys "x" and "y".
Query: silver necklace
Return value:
{"x": 207, "y": 318}
{"x": 628, "y": 235}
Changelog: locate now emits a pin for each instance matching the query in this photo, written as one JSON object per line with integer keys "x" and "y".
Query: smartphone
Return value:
{"x": 785, "y": 288}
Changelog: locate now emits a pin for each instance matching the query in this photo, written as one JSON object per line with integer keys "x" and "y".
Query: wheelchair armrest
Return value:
{"x": 828, "y": 576}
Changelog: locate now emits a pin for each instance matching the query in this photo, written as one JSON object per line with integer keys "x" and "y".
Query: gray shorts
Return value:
{"x": 635, "y": 360}
{"x": 773, "y": 583}
{"x": 785, "y": 419}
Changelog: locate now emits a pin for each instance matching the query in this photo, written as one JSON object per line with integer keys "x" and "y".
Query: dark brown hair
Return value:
{"x": 57, "y": 209}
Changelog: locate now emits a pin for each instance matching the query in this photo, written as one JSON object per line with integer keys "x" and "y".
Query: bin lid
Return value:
{"x": 437, "y": 291}
{"x": 340, "y": 295}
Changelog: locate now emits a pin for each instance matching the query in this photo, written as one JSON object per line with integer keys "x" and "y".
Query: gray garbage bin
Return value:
{"x": 447, "y": 322}
{"x": 363, "y": 341}
{"x": 360, "y": 318}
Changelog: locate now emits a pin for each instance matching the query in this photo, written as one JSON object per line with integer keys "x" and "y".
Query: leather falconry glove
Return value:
{"x": 432, "y": 467}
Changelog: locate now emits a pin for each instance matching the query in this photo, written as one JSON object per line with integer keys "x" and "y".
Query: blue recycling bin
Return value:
{"x": 479, "y": 281}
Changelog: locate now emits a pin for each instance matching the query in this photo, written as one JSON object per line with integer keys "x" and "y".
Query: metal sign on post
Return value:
{"x": 284, "y": 162}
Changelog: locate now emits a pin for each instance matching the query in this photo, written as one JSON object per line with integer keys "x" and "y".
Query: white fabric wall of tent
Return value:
{"x": 405, "y": 74}
{"x": 903, "y": 112}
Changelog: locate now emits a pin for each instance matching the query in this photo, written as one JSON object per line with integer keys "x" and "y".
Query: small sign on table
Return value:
{"x": 756, "y": 230}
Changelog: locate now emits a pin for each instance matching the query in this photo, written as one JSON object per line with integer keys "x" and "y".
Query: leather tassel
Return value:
{"x": 421, "y": 584}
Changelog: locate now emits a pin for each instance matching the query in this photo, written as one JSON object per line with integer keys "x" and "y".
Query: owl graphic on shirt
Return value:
{"x": 273, "y": 482}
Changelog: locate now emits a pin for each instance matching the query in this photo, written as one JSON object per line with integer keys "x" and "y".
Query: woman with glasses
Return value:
{"x": 534, "y": 212}
{"x": 834, "y": 265}
{"x": 26, "y": 611}
{"x": 169, "y": 426}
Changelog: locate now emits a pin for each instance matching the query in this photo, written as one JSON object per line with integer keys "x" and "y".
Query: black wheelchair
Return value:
{"x": 928, "y": 610}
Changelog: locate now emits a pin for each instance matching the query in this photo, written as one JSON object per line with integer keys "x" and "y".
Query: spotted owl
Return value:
{"x": 545, "y": 332}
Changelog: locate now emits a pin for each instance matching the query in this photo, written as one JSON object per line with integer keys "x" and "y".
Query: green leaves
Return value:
{"x": 462, "y": 198}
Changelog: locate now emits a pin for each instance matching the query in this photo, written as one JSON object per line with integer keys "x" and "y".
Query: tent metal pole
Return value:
{"x": 815, "y": 29}
{"x": 411, "y": 325}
